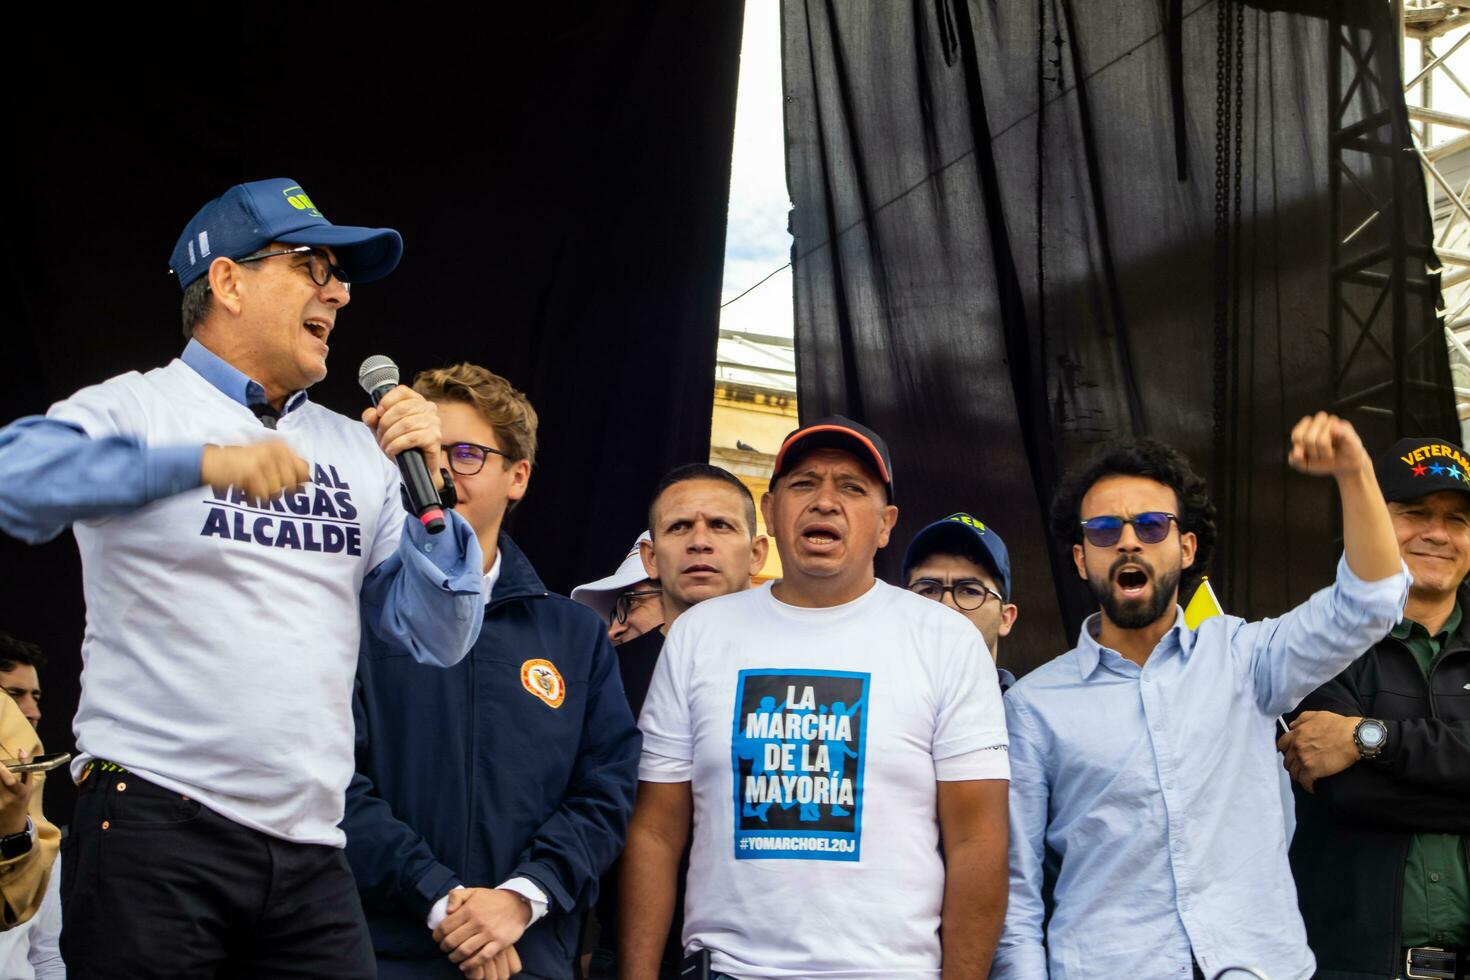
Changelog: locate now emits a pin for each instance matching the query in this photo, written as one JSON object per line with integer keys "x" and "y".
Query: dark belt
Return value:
{"x": 1436, "y": 963}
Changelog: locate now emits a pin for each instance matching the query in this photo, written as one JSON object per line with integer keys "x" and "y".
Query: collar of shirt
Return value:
{"x": 487, "y": 587}
{"x": 1407, "y": 628}
{"x": 1425, "y": 648}
{"x": 1091, "y": 653}
{"x": 230, "y": 380}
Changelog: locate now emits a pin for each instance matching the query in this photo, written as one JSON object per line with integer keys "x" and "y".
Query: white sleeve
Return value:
{"x": 45, "y": 951}
{"x": 970, "y": 728}
{"x": 668, "y": 740}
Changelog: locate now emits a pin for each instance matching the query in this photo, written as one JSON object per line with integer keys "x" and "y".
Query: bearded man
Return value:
{"x": 1144, "y": 795}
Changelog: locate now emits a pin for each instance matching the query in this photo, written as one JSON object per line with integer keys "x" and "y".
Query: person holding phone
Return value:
{"x": 28, "y": 841}
{"x": 31, "y": 950}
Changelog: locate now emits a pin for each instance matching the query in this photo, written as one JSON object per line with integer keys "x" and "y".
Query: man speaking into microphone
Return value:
{"x": 231, "y": 532}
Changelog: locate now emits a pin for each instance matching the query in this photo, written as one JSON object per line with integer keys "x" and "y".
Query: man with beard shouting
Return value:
{"x": 1145, "y": 814}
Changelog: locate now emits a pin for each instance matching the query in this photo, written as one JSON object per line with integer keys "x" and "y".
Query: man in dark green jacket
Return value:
{"x": 1380, "y": 755}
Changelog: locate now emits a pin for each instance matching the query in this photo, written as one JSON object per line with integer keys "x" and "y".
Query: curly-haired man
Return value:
{"x": 1143, "y": 787}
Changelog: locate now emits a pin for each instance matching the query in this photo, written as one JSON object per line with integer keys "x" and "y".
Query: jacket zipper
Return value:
{"x": 470, "y": 759}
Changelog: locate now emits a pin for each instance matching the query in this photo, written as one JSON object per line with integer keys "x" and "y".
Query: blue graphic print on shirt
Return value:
{"x": 797, "y": 754}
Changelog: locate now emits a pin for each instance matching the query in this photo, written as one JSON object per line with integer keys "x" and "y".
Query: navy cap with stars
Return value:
{"x": 1417, "y": 467}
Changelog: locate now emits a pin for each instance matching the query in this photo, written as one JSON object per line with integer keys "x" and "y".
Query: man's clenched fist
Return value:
{"x": 261, "y": 470}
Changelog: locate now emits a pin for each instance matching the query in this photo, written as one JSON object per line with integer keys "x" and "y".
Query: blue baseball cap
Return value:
{"x": 248, "y": 216}
{"x": 958, "y": 534}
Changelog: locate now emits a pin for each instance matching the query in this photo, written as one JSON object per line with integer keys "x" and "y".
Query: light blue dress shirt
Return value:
{"x": 52, "y": 473}
{"x": 1147, "y": 798}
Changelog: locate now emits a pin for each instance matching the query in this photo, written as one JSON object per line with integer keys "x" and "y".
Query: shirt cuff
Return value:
{"x": 170, "y": 470}
{"x": 524, "y": 887}
{"x": 1021, "y": 961}
{"x": 1377, "y": 602}
{"x": 440, "y": 909}
{"x": 528, "y": 889}
{"x": 450, "y": 559}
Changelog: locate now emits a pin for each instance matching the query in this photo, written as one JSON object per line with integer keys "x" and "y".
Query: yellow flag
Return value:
{"x": 1202, "y": 606}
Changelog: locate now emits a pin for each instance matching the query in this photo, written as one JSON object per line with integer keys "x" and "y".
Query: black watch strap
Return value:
{"x": 14, "y": 845}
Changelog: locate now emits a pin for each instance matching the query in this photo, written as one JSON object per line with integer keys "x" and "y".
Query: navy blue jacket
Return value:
{"x": 469, "y": 775}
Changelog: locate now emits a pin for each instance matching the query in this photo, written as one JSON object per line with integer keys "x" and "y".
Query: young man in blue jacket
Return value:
{"x": 489, "y": 798}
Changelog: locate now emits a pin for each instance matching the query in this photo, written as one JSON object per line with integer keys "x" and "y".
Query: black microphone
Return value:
{"x": 378, "y": 376}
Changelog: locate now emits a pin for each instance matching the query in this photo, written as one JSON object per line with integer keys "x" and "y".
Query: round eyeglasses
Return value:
{"x": 627, "y": 600}
{"x": 969, "y": 594}
{"x": 468, "y": 458}
{"x": 1151, "y": 527}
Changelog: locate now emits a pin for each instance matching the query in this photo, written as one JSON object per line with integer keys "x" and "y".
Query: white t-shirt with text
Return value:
{"x": 222, "y": 635}
{"x": 813, "y": 740}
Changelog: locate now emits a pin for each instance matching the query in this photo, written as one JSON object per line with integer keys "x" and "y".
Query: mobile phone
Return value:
{"x": 39, "y": 763}
{"x": 696, "y": 966}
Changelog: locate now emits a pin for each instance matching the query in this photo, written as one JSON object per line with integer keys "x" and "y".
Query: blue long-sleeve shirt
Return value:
{"x": 52, "y": 474}
{"x": 1150, "y": 794}
{"x": 222, "y": 632}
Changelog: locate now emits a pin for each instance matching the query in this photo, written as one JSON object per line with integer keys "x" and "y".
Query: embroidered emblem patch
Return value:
{"x": 542, "y": 679}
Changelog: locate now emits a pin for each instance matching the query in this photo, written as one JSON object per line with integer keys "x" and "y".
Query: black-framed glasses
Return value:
{"x": 468, "y": 458}
{"x": 969, "y": 594}
{"x": 1104, "y": 532}
{"x": 319, "y": 264}
{"x": 627, "y": 600}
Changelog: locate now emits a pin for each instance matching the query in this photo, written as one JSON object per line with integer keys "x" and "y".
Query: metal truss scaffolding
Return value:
{"x": 1378, "y": 271}
{"x": 1438, "y": 103}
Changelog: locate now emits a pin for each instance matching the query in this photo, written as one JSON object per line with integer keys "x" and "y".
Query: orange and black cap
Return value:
{"x": 836, "y": 432}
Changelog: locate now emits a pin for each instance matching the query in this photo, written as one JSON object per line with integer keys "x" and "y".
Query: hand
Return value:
{"x": 404, "y": 419}
{"x": 1319, "y": 744}
{"x": 480, "y": 923}
{"x": 261, "y": 470}
{"x": 1325, "y": 445}
{"x": 16, "y": 791}
{"x": 507, "y": 963}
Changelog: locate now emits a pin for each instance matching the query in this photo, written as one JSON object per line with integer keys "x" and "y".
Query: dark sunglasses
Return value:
{"x": 1104, "y": 532}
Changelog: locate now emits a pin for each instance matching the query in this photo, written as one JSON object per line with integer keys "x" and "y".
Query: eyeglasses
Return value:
{"x": 968, "y": 593}
{"x": 626, "y": 601}
{"x": 1104, "y": 532}
{"x": 468, "y": 458}
{"x": 319, "y": 264}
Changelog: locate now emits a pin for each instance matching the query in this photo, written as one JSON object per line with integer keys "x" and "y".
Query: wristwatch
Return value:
{"x": 1370, "y": 736}
{"x": 14, "y": 845}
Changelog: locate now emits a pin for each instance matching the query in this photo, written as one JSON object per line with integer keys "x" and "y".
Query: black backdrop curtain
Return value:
{"x": 1008, "y": 246}
{"x": 560, "y": 178}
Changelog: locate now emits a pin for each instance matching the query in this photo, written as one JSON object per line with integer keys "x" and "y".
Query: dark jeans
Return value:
{"x": 155, "y": 885}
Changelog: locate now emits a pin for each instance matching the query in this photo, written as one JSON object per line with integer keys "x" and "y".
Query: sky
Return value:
{"x": 756, "y": 242}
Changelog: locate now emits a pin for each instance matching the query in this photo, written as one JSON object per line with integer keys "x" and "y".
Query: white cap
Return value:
{"x": 602, "y": 595}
